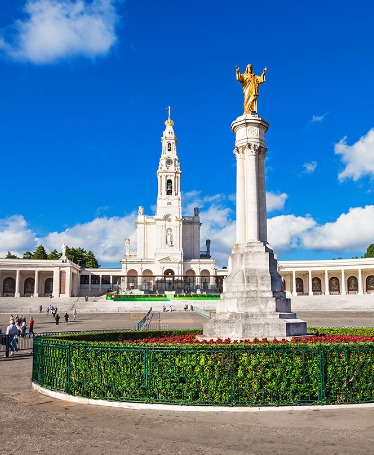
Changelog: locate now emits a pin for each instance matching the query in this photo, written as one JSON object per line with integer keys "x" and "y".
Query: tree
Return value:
{"x": 76, "y": 255}
{"x": 90, "y": 261}
{"x": 11, "y": 256}
{"x": 28, "y": 255}
{"x": 54, "y": 255}
{"x": 40, "y": 253}
{"x": 369, "y": 252}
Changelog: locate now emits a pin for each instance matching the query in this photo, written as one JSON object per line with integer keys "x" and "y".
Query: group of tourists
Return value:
{"x": 17, "y": 328}
{"x": 53, "y": 311}
{"x": 20, "y": 323}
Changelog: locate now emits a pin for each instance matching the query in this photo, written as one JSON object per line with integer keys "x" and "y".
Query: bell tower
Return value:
{"x": 169, "y": 201}
{"x": 168, "y": 243}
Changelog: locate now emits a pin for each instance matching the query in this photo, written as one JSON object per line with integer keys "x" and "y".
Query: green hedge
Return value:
{"x": 228, "y": 375}
{"x": 161, "y": 297}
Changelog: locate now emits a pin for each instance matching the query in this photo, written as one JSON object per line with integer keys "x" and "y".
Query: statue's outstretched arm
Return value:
{"x": 237, "y": 72}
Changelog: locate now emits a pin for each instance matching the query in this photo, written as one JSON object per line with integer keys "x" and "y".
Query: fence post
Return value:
{"x": 231, "y": 374}
{"x": 322, "y": 375}
{"x": 146, "y": 370}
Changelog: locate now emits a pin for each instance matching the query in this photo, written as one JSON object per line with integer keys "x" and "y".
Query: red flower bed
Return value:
{"x": 191, "y": 339}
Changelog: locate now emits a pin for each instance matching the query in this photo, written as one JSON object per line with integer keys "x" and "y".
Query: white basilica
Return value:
{"x": 168, "y": 252}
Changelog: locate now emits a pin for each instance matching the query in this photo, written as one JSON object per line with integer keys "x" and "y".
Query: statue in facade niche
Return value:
{"x": 63, "y": 251}
{"x": 250, "y": 85}
{"x": 127, "y": 246}
{"x": 169, "y": 237}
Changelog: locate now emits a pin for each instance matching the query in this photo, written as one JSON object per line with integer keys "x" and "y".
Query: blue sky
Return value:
{"x": 84, "y": 87}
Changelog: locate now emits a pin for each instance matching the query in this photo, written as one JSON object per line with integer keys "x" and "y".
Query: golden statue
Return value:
{"x": 250, "y": 83}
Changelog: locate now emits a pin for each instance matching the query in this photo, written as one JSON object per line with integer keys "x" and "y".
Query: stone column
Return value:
{"x": 68, "y": 282}
{"x": 343, "y": 291}
{"x": 251, "y": 196}
{"x": 327, "y": 292}
{"x": 17, "y": 290}
{"x": 310, "y": 283}
{"x": 262, "y": 195}
{"x": 56, "y": 282}
{"x": 36, "y": 287}
{"x": 294, "y": 292}
{"x": 250, "y": 132}
{"x": 126, "y": 285}
{"x": 240, "y": 198}
{"x": 360, "y": 290}
{"x": 253, "y": 303}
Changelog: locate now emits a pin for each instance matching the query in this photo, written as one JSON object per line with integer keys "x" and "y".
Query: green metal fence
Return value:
{"x": 225, "y": 375}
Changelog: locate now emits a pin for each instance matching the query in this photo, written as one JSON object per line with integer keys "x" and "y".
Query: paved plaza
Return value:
{"x": 39, "y": 424}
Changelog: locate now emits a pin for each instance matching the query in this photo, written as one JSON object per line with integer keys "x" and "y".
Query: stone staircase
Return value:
{"x": 363, "y": 302}
{"x": 30, "y": 305}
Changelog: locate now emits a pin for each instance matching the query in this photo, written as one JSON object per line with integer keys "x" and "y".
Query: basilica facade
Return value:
{"x": 168, "y": 255}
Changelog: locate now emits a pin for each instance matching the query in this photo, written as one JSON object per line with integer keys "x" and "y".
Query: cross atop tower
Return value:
{"x": 169, "y": 109}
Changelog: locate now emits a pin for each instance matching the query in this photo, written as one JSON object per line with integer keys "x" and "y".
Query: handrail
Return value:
{"x": 203, "y": 312}
{"x": 141, "y": 325}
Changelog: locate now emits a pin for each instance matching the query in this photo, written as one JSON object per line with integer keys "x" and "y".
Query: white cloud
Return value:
{"x": 318, "y": 118}
{"x": 286, "y": 232}
{"x": 352, "y": 231}
{"x": 358, "y": 158}
{"x": 104, "y": 236}
{"x": 275, "y": 201}
{"x": 15, "y": 236}
{"x": 309, "y": 168}
{"x": 219, "y": 227}
{"x": 58, "y": 29}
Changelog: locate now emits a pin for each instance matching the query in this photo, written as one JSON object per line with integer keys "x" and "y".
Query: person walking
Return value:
{"x": 66, "y": 316}
{"x": 31, "y": 327}
{"x": 57, "y": 318}
{"x": 23, "y": 327}
{"x": 11, "y": 339}
{"x": 40, "y": 308}
{"x": 75, "y": 314}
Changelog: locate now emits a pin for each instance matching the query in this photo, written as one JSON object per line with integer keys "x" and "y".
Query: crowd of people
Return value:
{"x": 19, "y": 327}
{"x": 56, "y": 316}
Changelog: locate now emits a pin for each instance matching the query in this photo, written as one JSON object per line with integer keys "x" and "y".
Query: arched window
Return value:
{"x": 29, "y": 286}
{"x": 132, "y": 279}
{"x": 190, "y": 281}
{"x": 334, "y": 284}
{"x": 48, "y": 286}
{"x": 9, "y": 285}
{"x": 169, "y": 279}
{"x": 370, "y": 283}
{"x": 204, "y": 279}
{"x": 316, "y": 284}
{"x": 169, "y": 187}
{"x": 147, "y": 280}
{"x": 299, "y": 285}
{"x": 352, "y": 284}
{"x": 169, "y": 147}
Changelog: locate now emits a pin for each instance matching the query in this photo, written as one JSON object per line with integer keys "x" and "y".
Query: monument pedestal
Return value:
{"x": 253, "y": 304}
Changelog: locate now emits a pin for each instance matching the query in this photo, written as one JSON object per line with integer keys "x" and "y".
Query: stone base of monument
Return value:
{"x": 253, "y": 303}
